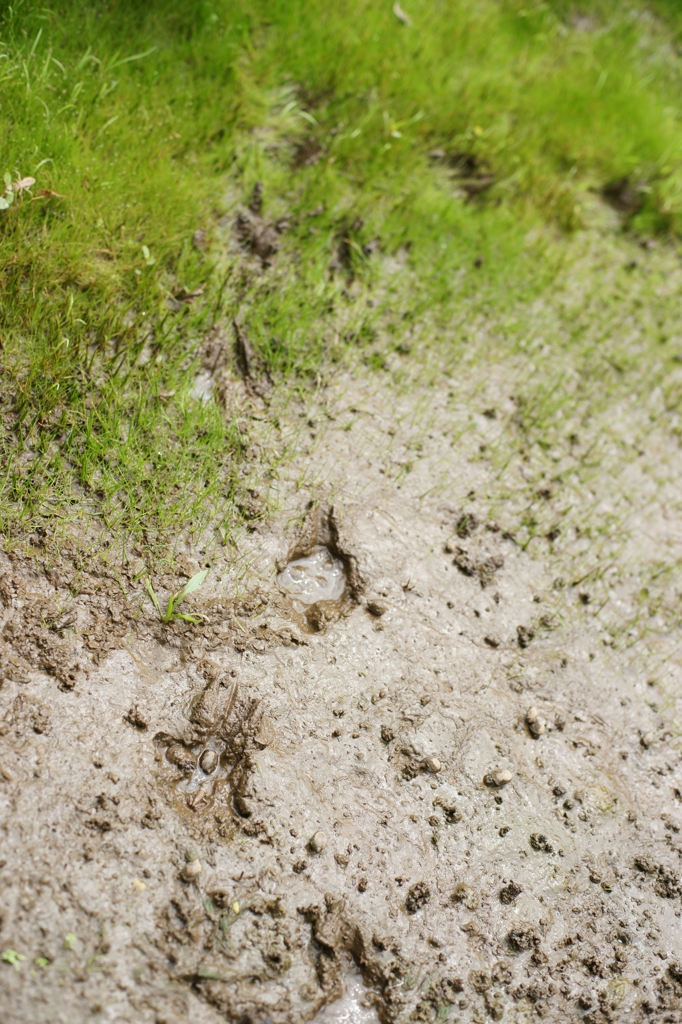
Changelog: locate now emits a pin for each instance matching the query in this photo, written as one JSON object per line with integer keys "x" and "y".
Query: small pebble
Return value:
{"x": 376, "y": 608}
{"x": 431, "y": 765}
{"x": 498, "y": 777}
{"x": 191, "y": 871}
{"x": 647, "y": 739}
{"x": 536, "y": 724}
{"x": 208, "y": 762}
{"x": 318, "y": 842}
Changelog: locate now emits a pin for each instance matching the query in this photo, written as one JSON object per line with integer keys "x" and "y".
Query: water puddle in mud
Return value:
{"x": 202, "y": 769}
{"x": 315, "y": 577}
{"x": 349, "y": 1008}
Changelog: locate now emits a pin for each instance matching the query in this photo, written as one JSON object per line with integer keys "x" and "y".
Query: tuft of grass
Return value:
{"x": 438, "y": 164}
{"x": 174, "y": 600}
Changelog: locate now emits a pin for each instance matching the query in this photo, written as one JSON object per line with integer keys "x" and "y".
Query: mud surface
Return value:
{"x": 396, "y": 774}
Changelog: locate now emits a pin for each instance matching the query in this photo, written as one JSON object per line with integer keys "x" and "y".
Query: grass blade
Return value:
{"x": 192, "y": 585}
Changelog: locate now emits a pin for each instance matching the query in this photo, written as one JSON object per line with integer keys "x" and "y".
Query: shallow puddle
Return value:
{"x": 314, "y": 577}
{"x": 207, "y": 763}
{"x": 202, "y": 768}
{"x": 349, "y": 1009}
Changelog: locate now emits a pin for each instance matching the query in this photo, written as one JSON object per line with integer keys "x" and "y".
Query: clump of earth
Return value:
{"x": 439, "y": 796}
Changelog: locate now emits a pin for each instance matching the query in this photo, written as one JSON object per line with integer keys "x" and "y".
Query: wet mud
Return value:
{"x": 397, "y": 778}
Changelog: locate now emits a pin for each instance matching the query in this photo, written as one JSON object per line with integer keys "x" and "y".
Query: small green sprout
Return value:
{"x": 175, "y": 599}
{"x": 10, "y": 956}
{"x": 41, "y": 961}
{"x": 69, "y": 941}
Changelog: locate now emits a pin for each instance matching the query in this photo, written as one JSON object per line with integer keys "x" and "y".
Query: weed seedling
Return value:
{"x": 10, "y": 956}
{"x": 174, "y": 600}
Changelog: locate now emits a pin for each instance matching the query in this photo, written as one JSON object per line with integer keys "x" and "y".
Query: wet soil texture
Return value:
{"x": 441, "y": 795}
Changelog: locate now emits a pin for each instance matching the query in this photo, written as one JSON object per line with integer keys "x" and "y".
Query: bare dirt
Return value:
{"x": 439, "y": 796}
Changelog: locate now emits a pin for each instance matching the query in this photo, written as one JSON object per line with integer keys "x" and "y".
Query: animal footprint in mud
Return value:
{"x": 322, "y": 579}
{"x": 316, "y": 586}
{"x": 314, "y": 577}
{"x": 200, "y": 768}
{"x": 211, "y": 763}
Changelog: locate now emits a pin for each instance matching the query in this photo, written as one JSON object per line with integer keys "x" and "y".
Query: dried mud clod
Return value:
{"x": 483, "y": 569}
{"x": 417, "y": 897}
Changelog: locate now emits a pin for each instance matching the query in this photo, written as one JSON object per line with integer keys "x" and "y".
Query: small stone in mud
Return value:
{"x": 266, "y": 734}
{"x": 376, "y": 608}
{"x": 491, "y": 641}
{"x": 509, "y": 893}
{"x": 342, "y": 859}
{"x": 417, "y": 897}
{"x": 559, "y": 790}
{"x": 498, "y": 777}
{"x": 541, "y": 843}
{"x": 318, "y": 842}
{"x": 362, "y": 884}
{"x": 181, "y": 758}
{"x": 431, "y": 765}
{"x": 647, "y": 739}
{"x": 535, "y": 723}
{"x": 300, "y": 866}
{"x": 208, "y": 762}
{"x": 387, "y": 734}
{"x": 191, "y": 870}
{"x": 505, "y": 830}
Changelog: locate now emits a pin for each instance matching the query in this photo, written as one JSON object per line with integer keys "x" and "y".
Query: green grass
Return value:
{"x": 143, "y": 123}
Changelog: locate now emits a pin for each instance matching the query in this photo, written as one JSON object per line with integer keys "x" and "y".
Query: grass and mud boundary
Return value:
{"x": 232, "y": 201}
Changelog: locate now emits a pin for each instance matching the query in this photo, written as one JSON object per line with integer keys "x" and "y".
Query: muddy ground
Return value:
{"x": 440, "y": 794}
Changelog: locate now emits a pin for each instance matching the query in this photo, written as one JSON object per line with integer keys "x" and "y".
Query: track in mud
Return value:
{"x": 438, "y": 792}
